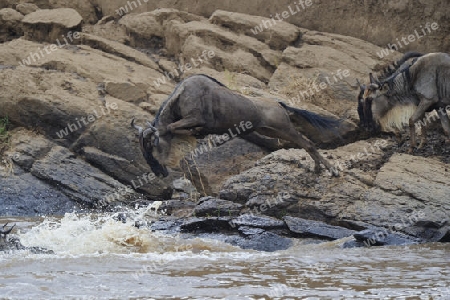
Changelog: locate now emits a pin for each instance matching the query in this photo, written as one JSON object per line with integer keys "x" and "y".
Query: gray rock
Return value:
{"x": 168, "y": 225}
{"x": 61, "y": 168}
{"x": 22, "y": 194}
{"x": 249, "y": 231}
{"x": 383, "y": 237}
{"x": 178, "y": 208}
{"x": 206, "y": 224}
{"x": 210, "y": 206}
{"x": 309, "y": 228}
{"x": 266, "y": 241}
{"x": 184, "y": 185}
{"x": 263, "y": 222}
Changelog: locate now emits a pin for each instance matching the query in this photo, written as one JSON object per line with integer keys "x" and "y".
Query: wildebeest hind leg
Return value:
{"x": 294, "y": 136}
{"x": 445, "y": 124}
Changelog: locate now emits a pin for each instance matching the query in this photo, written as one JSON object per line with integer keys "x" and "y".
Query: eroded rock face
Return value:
{"x": 379, "y": 24}
{"x": 278, "y": 37}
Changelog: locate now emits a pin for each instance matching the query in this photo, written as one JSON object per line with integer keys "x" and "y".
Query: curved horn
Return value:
{"x": 150, "y": 125}
{"x": 154, "y": 130}
{"x": 140, "y": 129}
{"x": 147, "y": 132}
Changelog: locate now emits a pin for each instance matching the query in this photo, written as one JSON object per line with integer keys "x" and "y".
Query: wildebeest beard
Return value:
{"x": 156, "y": 167}
{"x": 365, "y": 114}
{"x": 154, "y": 164}
{"x": 366, "y": 120}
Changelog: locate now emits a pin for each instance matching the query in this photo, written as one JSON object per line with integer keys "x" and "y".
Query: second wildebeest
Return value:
{"x": 422, "y": 87}
{"x": 392, "y": 120}
{"x": 200, "y": 105}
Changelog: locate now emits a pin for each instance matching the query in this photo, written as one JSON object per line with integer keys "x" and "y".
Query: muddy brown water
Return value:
{"x": 96, "y": 257}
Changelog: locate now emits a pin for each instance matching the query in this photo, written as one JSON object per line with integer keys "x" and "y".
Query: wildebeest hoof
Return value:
{"x": 334, "y": 172}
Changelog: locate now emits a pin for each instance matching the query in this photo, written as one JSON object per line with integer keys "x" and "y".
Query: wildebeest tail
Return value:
{"x": 320, "y": 122}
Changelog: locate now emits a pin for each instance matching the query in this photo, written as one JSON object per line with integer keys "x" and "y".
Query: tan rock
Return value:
{"x": 142, "y": 28}
{"x": 90, "y": 63}
{"x": 234, "y": 59}
{"x": 125, "y": 91}
{"x": 51, "y": 25}
{"x": 10, "y": 24}
{"x": 146, "y": 30}
{"x": 118, "y": 49}
{"x": 26, "y": 8}
{"x": 277, "y": 37}
{"x": 109, "y": 30}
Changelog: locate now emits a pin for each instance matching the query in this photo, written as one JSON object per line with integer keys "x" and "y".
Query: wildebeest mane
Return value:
{"x": 400, "y": 89}
{"x": 398, "y": 67}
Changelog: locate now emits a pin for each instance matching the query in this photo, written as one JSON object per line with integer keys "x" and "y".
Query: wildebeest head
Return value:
{"x": 368, "y": 99}
{"x": 154, "y": 148}
{"x": 371, "y": 100}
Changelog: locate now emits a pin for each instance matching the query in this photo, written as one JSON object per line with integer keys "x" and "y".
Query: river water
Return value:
{"x": 97, "y": 257}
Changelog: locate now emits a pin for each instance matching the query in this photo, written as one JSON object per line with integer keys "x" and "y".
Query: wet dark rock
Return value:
{"x": 169, "y": 225}
{"x": 263, "y": 222}
{"x": 309, "y": 228}
{"x": 239, "y": 196}
{"x": 22, "y": 194}
{"x": 383, "y": 237}
{"x": 248, "y": 231}
{"x": 430, "y": 231}
{"x": 62, "y": 168}
{"x": 206, "y": 224}
{"x": 210, "y": 206}
{"x": 266, "y": 241}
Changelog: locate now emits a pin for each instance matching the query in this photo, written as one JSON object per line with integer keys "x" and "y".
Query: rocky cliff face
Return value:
{"x": 70, "y": 95}
{"x": 381, "y": 23}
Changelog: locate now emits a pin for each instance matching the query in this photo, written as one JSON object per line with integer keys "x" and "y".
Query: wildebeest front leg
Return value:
{"x": 185, "y": 127}
{"x": 418, "y": 114}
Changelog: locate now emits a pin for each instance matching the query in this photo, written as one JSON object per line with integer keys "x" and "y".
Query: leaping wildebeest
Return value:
{"x": 200, "y": 105}
{"x": 406, "y": 96}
